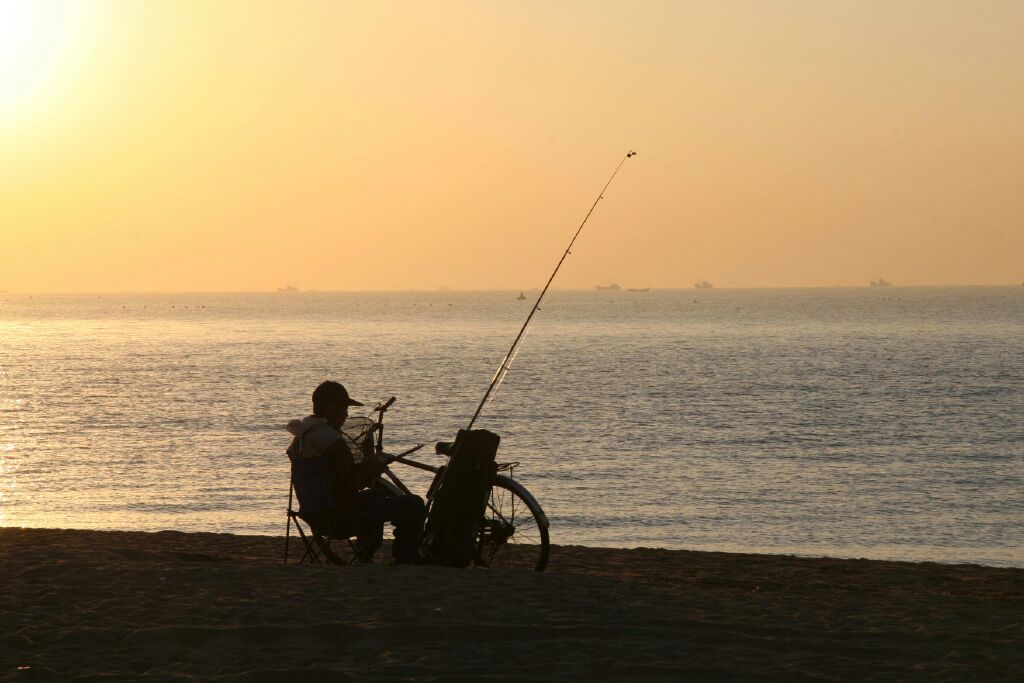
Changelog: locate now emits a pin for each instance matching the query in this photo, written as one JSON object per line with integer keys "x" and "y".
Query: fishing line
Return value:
{"x": 503, "y": 370}
{"x": 513, "y": 350}
{"x": 670, "y": 167}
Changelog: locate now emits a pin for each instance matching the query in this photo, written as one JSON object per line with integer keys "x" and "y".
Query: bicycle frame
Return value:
{"x": 397, "y": 486}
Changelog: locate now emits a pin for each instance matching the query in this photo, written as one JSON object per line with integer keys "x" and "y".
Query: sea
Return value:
{"x": 882, "y": 422}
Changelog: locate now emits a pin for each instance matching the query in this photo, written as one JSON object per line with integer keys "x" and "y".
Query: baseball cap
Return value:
{"x": 332, "y": 392}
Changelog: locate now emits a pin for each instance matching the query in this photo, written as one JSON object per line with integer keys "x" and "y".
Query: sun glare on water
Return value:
{"x": 36, "y": 41}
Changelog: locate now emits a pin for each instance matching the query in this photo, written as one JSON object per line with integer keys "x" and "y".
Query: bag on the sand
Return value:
{"x": 461, "y": 497}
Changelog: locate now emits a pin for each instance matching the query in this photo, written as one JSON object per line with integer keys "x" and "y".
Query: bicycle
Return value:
{"x": 514, "y": 530}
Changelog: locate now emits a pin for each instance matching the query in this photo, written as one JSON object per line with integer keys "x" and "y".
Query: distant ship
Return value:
{"x": 612, "y": 287}
{"x": 288, "y": 288}
{"x": 881, "y": 282}
{"x": 521, "y": 297}
{"x": 645, "y": 289}
{"x": 703, "y": 284}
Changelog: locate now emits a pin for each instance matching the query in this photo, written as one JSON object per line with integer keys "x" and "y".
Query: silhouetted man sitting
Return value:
{"x": 332, "y": 487}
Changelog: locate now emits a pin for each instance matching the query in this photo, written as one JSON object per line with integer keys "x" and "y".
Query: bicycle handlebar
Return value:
{"x": 384, "y": 406}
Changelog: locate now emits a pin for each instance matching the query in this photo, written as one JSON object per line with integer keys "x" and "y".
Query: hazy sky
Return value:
{"x": 245, "y": 146}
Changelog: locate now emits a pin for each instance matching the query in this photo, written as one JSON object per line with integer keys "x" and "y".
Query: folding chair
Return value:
{"x": 358, "y": 432}
{"x": 316, "y": 545}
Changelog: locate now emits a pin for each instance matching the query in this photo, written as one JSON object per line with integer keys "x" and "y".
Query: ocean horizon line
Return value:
{"x": 453, "y": 290}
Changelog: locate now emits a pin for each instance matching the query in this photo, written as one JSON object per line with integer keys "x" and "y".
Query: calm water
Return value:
{"x": 883, "y": 423}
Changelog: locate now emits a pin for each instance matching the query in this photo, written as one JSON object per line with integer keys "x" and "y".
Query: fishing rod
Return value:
{"x": 506, "y": 362}
{"x": 452, "y": 450}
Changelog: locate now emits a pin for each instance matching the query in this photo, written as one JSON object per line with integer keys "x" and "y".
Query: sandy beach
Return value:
{"x": 96, "y": 605}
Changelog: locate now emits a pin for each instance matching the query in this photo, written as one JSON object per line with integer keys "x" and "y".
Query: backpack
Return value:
{"x": 460, "y": 498}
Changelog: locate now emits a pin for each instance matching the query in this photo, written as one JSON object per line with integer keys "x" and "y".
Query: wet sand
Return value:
{"x": 173, "y": 606}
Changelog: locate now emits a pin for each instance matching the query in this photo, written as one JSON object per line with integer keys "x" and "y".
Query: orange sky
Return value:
{"x": 244, "y": 146}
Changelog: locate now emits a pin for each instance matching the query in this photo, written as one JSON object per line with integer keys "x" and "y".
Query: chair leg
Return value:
{"x": 317, "y": 546}
{"x": 330, "y": 555}
{"x": 309, "y": 554}
{"x": 287, "y": 537}
{"x": 288, "y": 526}
{"x": 308, "y": 542}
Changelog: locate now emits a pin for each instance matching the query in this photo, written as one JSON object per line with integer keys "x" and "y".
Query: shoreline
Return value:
{"x": 168, "y": 605}
{"x": 805, "y": 554}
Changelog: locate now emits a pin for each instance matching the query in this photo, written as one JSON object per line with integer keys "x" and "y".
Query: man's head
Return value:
{"x": 331, "y": 402}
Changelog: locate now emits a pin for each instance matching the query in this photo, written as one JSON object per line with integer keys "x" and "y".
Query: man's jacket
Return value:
{"x": 322, "y": 469}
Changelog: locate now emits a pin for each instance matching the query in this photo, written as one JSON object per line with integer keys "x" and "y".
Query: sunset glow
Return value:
{"x": 233, "y": 146}
{"x": 37, "y": 40}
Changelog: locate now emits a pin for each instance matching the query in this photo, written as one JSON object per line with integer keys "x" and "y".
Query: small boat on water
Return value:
{"x": 612, "y": 287}
{"x": 521, "y": 297}
{"x": 288, "y": 288}
{"x": 881, "y": 282}
{"x": 703, "y": 284}
{"x": 644, "y": 289}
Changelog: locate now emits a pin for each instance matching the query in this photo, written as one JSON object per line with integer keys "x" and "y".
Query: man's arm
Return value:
{"x": 366, "y": 471}
{"x": 345, "y": 484}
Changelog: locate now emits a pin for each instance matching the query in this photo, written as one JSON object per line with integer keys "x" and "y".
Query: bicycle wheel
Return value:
{"x": 511, "y": 535}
